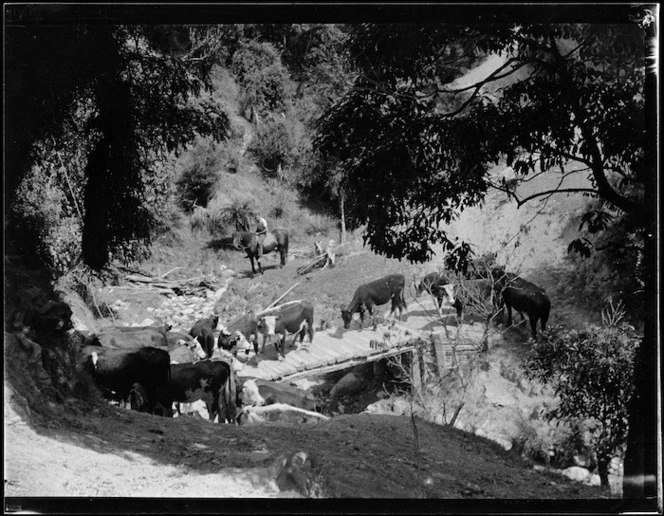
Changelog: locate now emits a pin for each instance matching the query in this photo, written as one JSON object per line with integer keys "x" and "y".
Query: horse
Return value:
{"x": 527, "y": 297}
{"x": 249, "y": 242}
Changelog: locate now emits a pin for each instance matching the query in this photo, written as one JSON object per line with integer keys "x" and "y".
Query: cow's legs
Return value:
{"x": 509, "y": 314}
{"x": 280, "y": 345}
{"x": 213, "y": 408}
{"x": 533, "y": 325}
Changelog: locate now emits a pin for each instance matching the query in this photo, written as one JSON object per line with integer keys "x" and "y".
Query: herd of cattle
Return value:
{"x": 152, "y": 367}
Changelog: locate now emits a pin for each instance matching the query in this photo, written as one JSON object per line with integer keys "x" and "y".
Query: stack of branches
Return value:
{"x": 196, "y": 285}
{"x": 322, "y": 259}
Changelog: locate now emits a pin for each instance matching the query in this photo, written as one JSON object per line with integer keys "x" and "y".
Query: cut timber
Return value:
{"x": 271, "y": 306}
{"x": 280, "y": 412}
{"x": 439, "y": 352}
{"x": 324, "y": 260}
{"x": 416, "y": 371}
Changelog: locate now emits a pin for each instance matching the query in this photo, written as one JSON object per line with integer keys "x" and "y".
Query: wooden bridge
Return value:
{"x": 337, "y": 348}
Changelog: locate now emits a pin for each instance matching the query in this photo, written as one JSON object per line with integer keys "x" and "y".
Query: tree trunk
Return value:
{"x": 342, "y": 209}
{"x": 603, "y": 470}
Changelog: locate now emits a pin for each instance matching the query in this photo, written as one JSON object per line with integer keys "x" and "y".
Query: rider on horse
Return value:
{"x": 261, "y": 232}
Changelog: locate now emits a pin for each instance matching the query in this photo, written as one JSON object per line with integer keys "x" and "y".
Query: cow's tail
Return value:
{"x": 228, "y": 396}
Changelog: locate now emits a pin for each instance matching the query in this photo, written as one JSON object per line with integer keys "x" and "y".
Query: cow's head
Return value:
{"x": 250, "y": 396}
{"x": 347, "y": 316}
{"x": 448, "y": 292}
{"x": 267, "y": 324}
{"x": 94, "y": 358}
{"x": 418, "y": 287}
{"x": 214, "y": 320}
{"x": 241, "y": 343}
{"x": 195, "y": 347}
{"x": 226, "y": 338}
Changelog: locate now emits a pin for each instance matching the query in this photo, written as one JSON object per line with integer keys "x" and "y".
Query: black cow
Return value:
{"x": 376, "y": 293}
{"x": 295, "y": 319}
{"x": 527, "y": 297}
{"x": 117, "y": 371}
{"x": 203, "y": 330}
{"x": 440, "y": 287}
{"x": 212, "y": 381}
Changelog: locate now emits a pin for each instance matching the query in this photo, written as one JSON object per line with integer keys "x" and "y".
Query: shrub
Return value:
{"x": 316, "y": 225}
{"x": 264, "y": 80}
{"x": 273, "y": 146}
{"x": 592, "y": 373}
{"x": 199, "y": 175}
{"x": 47, "y": 215}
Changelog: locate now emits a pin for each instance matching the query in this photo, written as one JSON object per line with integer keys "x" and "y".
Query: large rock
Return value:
{"x": 349, "y": 384}
{"x": 577, "y": 473}
{"x": 500, "y": 391}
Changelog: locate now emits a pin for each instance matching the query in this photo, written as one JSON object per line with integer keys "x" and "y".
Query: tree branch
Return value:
{"x": 604, "y": 188}
{"x": 493, "y": 76}
{"x": 551, "y": 192}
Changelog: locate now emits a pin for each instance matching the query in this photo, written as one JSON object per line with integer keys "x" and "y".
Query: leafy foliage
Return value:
{"x": 415, "y": 139}
{"x": 199, "y": 175}
{"x": 265, "y": 83}
{"x": 137, "y": 93}
{"x": 592, "y": 372}
{"x": 239, "y": 215}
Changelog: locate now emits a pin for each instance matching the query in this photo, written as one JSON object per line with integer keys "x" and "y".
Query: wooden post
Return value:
{"x": 439, "y": 351}
{"x": 416, "y": 371}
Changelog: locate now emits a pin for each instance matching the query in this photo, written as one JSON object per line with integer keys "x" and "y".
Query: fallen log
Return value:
{"x": 280, "y": 298}
{"x": 276, "y": 309}
{"x": 279, "y": 412}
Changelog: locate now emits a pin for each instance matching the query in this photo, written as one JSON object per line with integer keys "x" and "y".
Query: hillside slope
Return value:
{"x": 114, "y": 452}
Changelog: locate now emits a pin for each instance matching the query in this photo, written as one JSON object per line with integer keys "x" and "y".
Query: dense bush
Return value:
{"x": 48, "y": 216}
{"x": 264, "y": 80}
{"x": 199, "y": 175}
{"x": 592, "y": 373}
{"x": 613, "y": 268}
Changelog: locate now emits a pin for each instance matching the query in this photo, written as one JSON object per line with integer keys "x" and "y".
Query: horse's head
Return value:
{"x": 235, "y": 242}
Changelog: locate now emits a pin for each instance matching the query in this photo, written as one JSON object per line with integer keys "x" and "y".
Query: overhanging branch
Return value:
{"x": 520, "y": 202}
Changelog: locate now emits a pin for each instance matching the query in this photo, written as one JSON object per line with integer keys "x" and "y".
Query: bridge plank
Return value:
{"x": 296, "y": 361}
{"x": 323, "y": 356}
{"x": 345, "y": 349}
{"x": 272, "y": 370}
